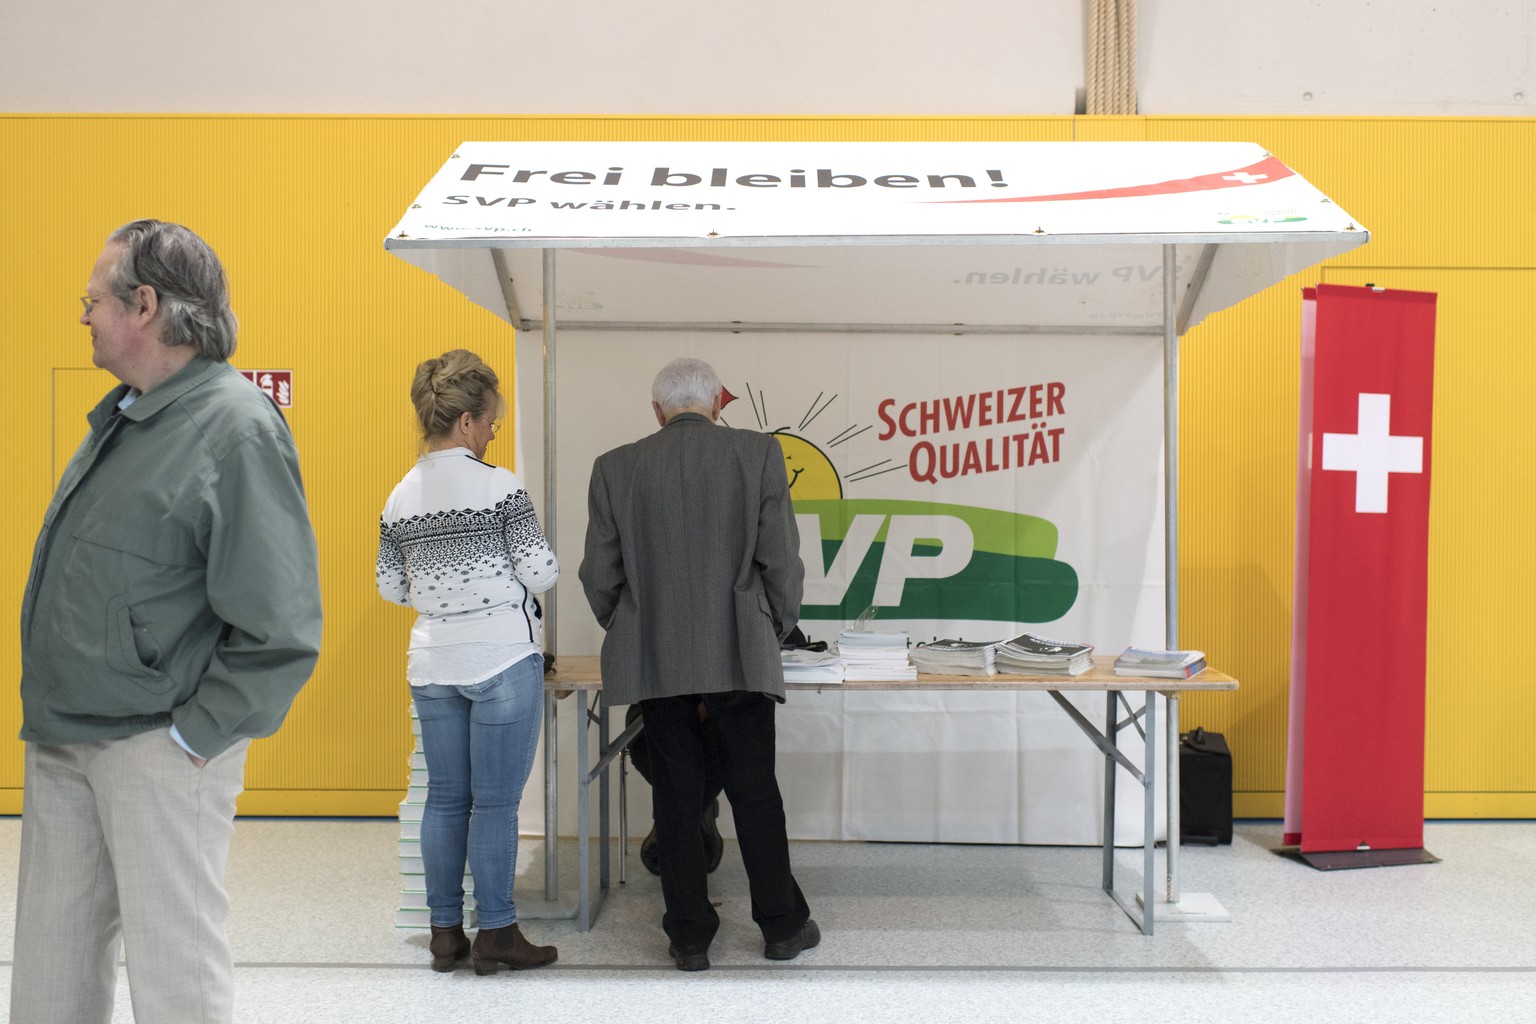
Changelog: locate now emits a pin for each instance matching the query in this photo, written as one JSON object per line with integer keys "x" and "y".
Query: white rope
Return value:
{"x": 1111, "y": 57}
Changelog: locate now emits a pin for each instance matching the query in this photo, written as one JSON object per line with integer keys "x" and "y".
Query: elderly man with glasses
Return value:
{"x": 171, "y": 615}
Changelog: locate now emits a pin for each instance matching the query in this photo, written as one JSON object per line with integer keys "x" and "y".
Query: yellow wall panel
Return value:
{"x": 1109, "y": 128}
{"x": 298, "y": 206}
{"x": 1435, "y": 192}
{"x": 1239, "y": 388}
{"x": 1482, "y": 592}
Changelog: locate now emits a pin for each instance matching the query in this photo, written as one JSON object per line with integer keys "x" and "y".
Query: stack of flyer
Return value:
{"x": 1141, "y": 661}
{"x": 811, "y": 667}
{"x": 1030, "y": 655}
{"x": 867, "y": 654}
{"x": 956, "y": 658}
{"x": 413, "y": 911}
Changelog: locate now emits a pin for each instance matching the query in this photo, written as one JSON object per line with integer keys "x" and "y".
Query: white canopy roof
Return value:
{"x": 1001, "y": 237}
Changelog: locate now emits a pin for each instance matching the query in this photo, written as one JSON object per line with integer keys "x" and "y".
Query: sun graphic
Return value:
{"x": 811, "y": 474}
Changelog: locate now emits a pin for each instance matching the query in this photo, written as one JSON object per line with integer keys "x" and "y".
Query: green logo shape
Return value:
{"x": 1012, "y": 574}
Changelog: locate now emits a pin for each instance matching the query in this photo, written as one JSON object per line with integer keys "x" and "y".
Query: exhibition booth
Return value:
{"x": 969, "y": 352}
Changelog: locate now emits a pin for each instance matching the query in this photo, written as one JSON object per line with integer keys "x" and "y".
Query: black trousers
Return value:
{"x": 744, "y": 729}
{"x": 640, "y": 755}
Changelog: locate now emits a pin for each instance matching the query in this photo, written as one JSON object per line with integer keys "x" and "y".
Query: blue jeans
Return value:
{"x": 479, "y": 742}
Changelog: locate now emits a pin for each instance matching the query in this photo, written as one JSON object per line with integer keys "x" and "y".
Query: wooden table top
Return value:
{"x": 582, "y": 672}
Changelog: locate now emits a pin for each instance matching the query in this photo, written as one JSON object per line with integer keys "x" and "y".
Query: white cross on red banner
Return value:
{"x": 1355, "y": 771}
{"x": 1373, "y": 453}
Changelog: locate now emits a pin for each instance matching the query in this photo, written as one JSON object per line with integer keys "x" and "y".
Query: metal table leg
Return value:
{"x": 1149, "y": 814}
{"x": 583, "y": 826}
{"x": 1170, "y": 761}
{"x": 607, "y": 752}
{"x": 602, "y": 795}
{"x": 623, "y": 817}
{"x": 551, "y": 801}
{"x": 1110, "y": 730}
{"x": 1108, "y": 743}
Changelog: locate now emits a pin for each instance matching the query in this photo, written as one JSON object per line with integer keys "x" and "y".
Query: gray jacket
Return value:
{"x": 175, "y": 577}
{"x": 692, "y": 562}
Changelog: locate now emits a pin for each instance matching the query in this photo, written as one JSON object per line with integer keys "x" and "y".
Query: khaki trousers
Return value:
{"x": 123, "y": 846}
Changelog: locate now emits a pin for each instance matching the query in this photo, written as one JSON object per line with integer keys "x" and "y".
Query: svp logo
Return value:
{"x": 915, "y": 559}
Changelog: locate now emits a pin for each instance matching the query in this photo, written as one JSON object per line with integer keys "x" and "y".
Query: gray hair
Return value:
{"x": 686, "y": 382}
{"x": 186, "y": 276}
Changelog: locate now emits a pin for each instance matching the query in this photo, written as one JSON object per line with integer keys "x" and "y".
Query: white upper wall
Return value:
{"x": 1338, "y": 57}
{"x": 793, "y": 57}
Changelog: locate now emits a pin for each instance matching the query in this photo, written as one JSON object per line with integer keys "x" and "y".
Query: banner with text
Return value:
{"x": 572, "y": 190}
{"x": 969, "y": 490}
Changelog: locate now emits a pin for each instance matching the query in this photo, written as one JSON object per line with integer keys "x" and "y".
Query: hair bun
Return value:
{"x": 456, "y": 382}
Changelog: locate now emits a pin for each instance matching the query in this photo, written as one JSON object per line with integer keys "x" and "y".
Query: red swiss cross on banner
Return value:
{"x": 1355, "y": 777}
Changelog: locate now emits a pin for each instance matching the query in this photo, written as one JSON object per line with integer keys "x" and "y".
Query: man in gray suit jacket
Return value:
{"x": 692, "y": 566}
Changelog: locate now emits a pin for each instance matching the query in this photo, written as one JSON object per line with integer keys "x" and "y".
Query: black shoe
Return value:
{"x": 688, "y": 961}
{"x": 788, "y": 949}
{"x": 449, "y": 946}
{"x": 496, "y": 946}
{"x": 714, "y": 845}
{"x": 650, "y": 853}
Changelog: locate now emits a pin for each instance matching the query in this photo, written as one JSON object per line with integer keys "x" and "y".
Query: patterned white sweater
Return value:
{"x": 459, "y": 543}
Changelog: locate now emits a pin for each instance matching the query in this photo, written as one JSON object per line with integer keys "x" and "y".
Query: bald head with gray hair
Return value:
{"x": 686, "y": 384}
{"x": 188, "y": 280}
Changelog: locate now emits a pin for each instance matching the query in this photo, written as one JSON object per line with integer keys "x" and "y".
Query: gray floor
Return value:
{"x": 911, "y": 932}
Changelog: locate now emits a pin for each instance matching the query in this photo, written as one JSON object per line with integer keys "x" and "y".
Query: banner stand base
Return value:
{"x": 1191, "y": 907}
{"x": 1338, "y": 860}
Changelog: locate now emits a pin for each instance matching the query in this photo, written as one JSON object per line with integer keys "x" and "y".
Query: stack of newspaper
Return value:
{"x": 956, "y": 658}
{"x": 1141, "y": 661}
{"x": 811, "y": 667}
{"x": 867, "y": 654}
{"x": 1030, "y": 655}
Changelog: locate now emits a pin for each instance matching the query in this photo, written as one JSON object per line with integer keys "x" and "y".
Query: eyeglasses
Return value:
{"x": 90, "y": 303}
{"x": 495, "y": 427}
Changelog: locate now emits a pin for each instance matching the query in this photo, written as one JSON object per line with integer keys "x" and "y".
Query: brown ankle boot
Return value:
{"x": 508, "y": 946}
{"x": 449, "y": 946}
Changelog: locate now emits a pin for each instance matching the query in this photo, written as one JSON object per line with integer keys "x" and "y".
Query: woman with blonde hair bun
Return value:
{"x": 459, "y": 543}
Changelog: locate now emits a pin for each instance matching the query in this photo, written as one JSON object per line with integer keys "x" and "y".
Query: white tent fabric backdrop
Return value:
{"x": 962, "y": 347}
{"x": 1081, "y": 547}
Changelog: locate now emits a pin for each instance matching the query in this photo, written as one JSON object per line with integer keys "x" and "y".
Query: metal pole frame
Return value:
{"x": 1171, "y": 325}
{"x": 551, "y": 714}
{"x": 1173, "y": 320}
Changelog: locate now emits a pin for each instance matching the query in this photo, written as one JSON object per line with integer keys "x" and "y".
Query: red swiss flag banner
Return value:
{"x": 1362, "y": 568}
